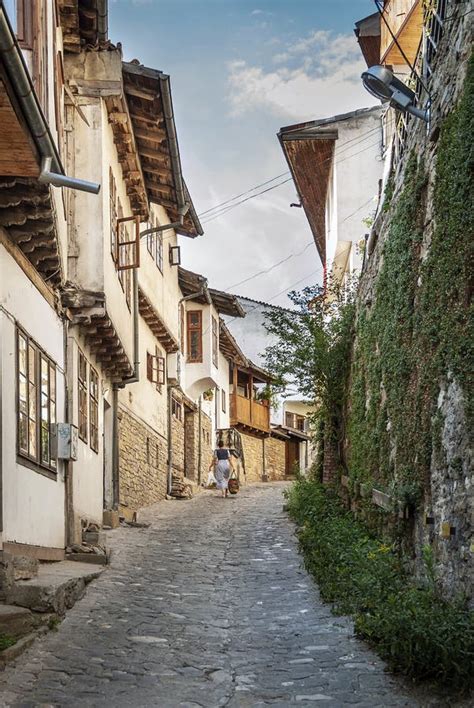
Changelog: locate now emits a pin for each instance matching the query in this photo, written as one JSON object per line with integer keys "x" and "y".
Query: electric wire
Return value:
{"x": 347, "y": 146}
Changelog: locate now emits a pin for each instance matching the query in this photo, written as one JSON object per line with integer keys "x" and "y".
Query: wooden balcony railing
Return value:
{"x": 251, "y": 413}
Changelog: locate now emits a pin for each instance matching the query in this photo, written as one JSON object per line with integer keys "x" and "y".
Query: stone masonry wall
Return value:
{"x": 143, "y": 464}
{"x": 177, "y": 437}
{"x": 275, "y": 459}
{"x": 191, "y": 442}
{"x": 253, "y": 457}
{"x": 447, "y": 498}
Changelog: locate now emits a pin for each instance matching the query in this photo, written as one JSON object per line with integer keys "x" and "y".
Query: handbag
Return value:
{"x": 233, "y": 484}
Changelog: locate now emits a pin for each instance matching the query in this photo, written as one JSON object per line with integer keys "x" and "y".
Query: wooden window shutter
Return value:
{"x": 149, "y": 366}
{"x": 127, "y": 250}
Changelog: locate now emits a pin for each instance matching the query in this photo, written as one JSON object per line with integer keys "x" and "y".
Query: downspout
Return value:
{"x": 115, "y": 389}
{"x": 52, "y": 172}
{"x": 169, "y": 484}
{"x": 200, "y": 440}
{"x": 102, "y": 20}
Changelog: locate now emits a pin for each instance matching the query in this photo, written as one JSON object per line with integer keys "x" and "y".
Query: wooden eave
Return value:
{"x": 229, "y": 346}
{"x": 156, "y": 324}
{"x": 87, "y": 310}
{"x": 127, "y": 151}
{"x": 310, "y": 154}
{"x": 408, "y": 35}
{"x": 152, "y": 129}
{"x": 226, "y": 304}
{"x": 192, "y": 283}
{"x": 78, "y": 20}
{"x": 368, "y": 36}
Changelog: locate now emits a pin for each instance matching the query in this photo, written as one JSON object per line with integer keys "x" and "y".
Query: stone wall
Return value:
{"x": 177, "y": 438}
{"x": 143, "y": 464}
{"x": 253, "y": 458}
{"x": 275, "y": 459}
{"x": 429, "y": 472}
{"x": 191, "y": 434}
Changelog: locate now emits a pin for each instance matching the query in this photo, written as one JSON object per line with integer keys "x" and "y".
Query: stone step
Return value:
{"x": 16, "y": 621}
{"x": 56, "y": 588}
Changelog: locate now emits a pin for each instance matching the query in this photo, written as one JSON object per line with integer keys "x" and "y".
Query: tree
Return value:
{"x": 312, "y": 351}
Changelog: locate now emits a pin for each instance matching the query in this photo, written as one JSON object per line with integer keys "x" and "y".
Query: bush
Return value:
{"x": 410, "y": 625}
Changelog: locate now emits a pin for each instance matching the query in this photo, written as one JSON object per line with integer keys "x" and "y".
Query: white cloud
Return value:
{"x": 317, "y": 75}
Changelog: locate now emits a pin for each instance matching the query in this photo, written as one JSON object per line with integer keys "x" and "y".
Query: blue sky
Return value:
{"x": 241, "y": 69}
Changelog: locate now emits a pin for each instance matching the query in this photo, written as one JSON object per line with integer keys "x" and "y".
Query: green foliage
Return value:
{"x": 312, "y": 353}
{"x": 6, "y": 641}
{"x": 412, "y": 627}
{"x": 418, "y": 334}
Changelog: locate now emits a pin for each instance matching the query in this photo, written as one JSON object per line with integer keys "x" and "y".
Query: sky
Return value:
{"x": 240, "y": 70}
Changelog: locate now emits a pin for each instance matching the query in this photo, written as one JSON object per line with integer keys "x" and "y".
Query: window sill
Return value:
{"x": 26, "y": 462}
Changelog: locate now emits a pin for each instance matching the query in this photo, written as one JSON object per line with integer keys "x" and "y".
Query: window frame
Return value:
{"x": 190, "y": 329}
{"x": 177, "y": 409}
{"x": 93, "y": 409}
{"x": 215, "y": 342}
{"x": 223, "y": 401}
{"x": 24, "y": 455}
{"x": 82, "y": 388}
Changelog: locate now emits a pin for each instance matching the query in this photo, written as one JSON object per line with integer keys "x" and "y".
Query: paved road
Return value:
{"x": 207, "y": 607}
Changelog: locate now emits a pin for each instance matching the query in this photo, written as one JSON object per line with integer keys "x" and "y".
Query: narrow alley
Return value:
{"x": 209, "y": 606}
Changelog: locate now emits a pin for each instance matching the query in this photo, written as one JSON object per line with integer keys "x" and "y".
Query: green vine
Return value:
{"x": 416, "y": 337}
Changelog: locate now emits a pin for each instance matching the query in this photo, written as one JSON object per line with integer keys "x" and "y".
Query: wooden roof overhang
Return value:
{"x": 229, "y": 346}
{"x": 309, "y": 152}
{"x": 87, "y": 310}
{"x": 26, "y": 208}
{"x": 148, "y": 96}
{"x": 368, "y": 35}
{"x": 84, "y": 23}
{"x": 194, "y": 284}
{"x": 277, "y": 432}
{"x": 156, "y": 324}
{"x": 226, "y": 304}
{"x": 405, "y": 19}
{"x": 128, "y": 154}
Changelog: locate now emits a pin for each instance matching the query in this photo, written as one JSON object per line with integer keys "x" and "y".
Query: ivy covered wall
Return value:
{"x": 411, "y": 388}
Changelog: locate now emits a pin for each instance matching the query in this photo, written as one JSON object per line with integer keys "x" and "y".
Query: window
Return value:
{"x": 156, "y": 368}
{"x": 94, "y": 409}
{"x": 113, "y": 213}
{"x": 194, "y": 335}
{"x": 150, "y": 240}
{"x": 223, "y": 397}
{"x": 36, "y": 401}
{"x": 181, "y": 326}
{"x": 215, "y": 343}
{"x": 176, "y": 409}
{"x": 82, "y": 396}
{"x": 159, "y": 250}
{"x": 295, "y": 421}
{"x": 175, "y": 255}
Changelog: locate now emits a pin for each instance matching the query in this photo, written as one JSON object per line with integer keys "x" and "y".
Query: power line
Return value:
{"x": 233, "y": 206}
{"x": 349, "y": 144}
{"x": 272, "y": 267}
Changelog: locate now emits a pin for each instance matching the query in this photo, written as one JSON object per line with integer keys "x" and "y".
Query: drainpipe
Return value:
{"x": 115, "y": 389}
{"x": 200, "y": 440}
{"x": 170, "y": 438}
{"x": 102, "y": 20}
{"x": 52, "y": 171}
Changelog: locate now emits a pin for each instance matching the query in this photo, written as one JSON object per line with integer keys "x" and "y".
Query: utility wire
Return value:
{"x": 347, "y": 146}
{"x": 337, "y": 162}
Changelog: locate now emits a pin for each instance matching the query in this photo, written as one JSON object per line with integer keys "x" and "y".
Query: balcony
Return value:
{"x": 249, "y": 413}
{"x": 405, "y": 20}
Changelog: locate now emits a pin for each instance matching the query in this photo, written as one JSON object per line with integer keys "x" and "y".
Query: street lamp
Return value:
{"x": 381, "y": 83}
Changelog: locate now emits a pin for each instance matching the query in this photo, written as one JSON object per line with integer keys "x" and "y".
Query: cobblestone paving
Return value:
{"x": 208, "y": 607}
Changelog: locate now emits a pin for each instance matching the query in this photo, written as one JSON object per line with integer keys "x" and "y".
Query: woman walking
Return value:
{"x": 222, "y": 464}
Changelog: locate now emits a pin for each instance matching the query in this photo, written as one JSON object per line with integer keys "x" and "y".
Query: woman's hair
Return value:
{"x": 220, "y": 443}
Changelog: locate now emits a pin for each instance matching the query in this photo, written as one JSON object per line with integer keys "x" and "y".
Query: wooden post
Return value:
{"x": 251, "y": 395}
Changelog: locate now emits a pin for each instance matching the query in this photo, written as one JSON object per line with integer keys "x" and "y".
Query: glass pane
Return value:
{"x": 22, "y": 347}
{"x": 23, "y": 433}
{"x": 32, "y": 401}
{"x": 194, "y": 319}
{"x": 22, "y": 393}
{"x": 44, "y": 407}
{"x": 32, "y": 363}
{"x": 52, "y": 383}
{"x": 52, "y": 412}
{"x": 44, "y": 375}
{"x": 45, "y": 442}
{"x": 32, "y": 437}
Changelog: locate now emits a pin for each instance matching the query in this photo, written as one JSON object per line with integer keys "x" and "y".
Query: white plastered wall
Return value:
{"x": 33, "y": 504}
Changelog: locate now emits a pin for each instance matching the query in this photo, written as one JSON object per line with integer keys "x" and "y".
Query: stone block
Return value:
{"x": 24, "y": 568}
{"x": 15, "y": 621}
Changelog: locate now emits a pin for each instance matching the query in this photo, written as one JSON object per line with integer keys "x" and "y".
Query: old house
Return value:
{"x": 337, "y": 167}
{"x": 34, "y": 267}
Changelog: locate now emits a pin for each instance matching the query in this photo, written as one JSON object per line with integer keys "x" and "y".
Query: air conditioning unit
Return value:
{"x": 63, "y": 441}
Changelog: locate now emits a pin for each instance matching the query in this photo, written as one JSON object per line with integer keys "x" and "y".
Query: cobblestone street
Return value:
{"x": 208, "y": 607}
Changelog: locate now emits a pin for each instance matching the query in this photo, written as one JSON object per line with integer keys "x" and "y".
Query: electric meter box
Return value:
{"x": 63, "y": 441}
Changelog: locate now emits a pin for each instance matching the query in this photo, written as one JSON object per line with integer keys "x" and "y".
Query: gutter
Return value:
{"x": 134, "y": 378}
{"x": 182, "y": 193}
{"x": 52, "y": 171}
